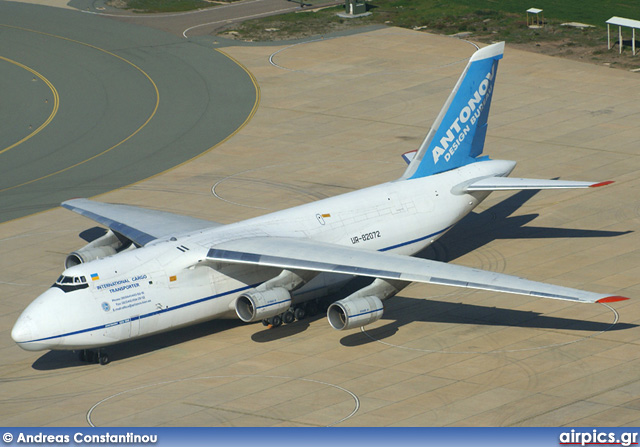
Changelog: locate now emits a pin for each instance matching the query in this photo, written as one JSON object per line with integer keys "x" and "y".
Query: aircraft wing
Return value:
{"x": 304, "y": 254}
{"x": 510, "y": 184}
{"x": 140, "y": 225}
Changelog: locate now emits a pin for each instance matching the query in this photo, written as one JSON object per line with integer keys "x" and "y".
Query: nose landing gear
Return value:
{"x": 91, "y": 356}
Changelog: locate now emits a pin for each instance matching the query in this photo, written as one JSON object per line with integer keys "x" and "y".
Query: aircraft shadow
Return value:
{"x": 135, "y": 348}
{"x": 402, "y": 311}
{"x": 288, "y": 330}
{"x": 478, "y": 229}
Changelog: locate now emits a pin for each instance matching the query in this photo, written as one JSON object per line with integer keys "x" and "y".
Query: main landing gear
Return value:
{"x": 91, "y": 356}
{"x": 298, "y": 313}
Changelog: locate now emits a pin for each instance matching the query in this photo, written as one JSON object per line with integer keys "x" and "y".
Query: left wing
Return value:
{"x": 139, "y": 225}
{"x": 304, "y": 254}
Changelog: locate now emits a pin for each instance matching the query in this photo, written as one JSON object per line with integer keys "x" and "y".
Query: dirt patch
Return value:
{"x": 285, "y": 28}
{"x": 122, "y": 4}
{"x": 599, "y": 55}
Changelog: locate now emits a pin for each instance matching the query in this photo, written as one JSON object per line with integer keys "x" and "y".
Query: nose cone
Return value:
{"x": 38, "y": 327}
{"x": 24, "y": 329}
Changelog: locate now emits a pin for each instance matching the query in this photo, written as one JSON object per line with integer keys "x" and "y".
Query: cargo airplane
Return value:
{"x": 155, "y": 271}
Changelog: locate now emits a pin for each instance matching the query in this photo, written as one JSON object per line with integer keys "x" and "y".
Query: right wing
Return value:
{"x": 511, "y": 184}
{"x": 305, "y": 254}
{"x": 139, "y": 225}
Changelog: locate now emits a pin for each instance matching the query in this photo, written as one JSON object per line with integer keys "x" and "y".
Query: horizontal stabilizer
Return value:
{"x": 409, "y": 156}
{"x": 140, "y": 225}
{"x": 510, "y": 184}
{"x": 304, "y": 254}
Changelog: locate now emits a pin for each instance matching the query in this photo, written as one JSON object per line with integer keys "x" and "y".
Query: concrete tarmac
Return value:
{"x": 334, "y": 116}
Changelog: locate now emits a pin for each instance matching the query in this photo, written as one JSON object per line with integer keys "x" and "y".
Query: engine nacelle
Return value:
{"x": 354, "y": 312}
{"x": 88, "y": 254}
{"x": 259, "y": 305}
{"x": 104, "y": 246}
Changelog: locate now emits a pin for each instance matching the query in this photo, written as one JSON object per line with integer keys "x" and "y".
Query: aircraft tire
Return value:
{"x": 265, "y": 322}
{"x": 103, "y": 359}
{"x": 288, "y": 317}
{"x": 276, "y": 321}
{"x": 299, "y": 313}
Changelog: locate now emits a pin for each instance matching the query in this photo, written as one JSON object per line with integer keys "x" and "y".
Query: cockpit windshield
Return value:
{"x": 71, "y": 283}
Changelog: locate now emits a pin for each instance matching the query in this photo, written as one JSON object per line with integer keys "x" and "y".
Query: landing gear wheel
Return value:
{"x": 288, "y": 317}
{"x": 299, "y": 313}
{"x": 265, "y": 322}
{"x": 276, "y": 321}
{"x": 103, "y": 358}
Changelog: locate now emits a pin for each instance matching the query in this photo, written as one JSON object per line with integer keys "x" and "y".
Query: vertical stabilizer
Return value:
{"x": 457, "y": 135}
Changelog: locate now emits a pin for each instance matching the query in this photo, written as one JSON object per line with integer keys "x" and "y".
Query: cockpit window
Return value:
{"x": 71, "y": 283}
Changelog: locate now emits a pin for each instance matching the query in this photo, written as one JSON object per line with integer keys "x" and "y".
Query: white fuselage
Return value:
{"x": 166, "y": 284}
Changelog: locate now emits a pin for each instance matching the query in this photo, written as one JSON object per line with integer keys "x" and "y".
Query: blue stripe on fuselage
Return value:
{"x": 140, "y": 317}
{"x": 201, "y": 300}
{"x": 420, "y": 239}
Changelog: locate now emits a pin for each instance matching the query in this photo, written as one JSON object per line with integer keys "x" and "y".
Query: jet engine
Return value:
{"x": 106, "y": 245}
{"x": 259, "y": 305}
{"x": 354, "y": 312}
{"x": 364, "y": 306}
{"x": 270, "y": 298}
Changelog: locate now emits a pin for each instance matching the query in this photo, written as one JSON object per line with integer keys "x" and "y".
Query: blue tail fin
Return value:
{"x": 457, "y": 135}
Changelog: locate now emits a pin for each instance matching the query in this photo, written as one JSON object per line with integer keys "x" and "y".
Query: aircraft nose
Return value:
{"x": 23, "y": 330}
{"x": 38, "y": 327}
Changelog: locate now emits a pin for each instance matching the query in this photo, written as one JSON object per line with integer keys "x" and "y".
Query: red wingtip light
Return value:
{"x": 611, "y": 299}
{"x": 595, "y": 185}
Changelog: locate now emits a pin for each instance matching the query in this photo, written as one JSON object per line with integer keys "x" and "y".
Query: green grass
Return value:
{"x": 495, "y": 20}
{"x": 443, "y": 13}
{"x": 592, "y": 12}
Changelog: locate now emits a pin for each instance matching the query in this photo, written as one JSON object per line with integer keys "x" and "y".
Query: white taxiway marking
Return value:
{"x": 355, "y": 398}
{"x": 290, "y": 46}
